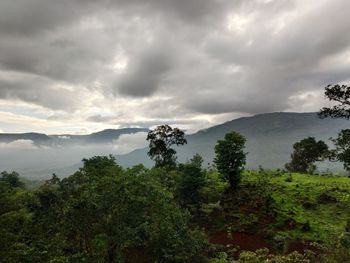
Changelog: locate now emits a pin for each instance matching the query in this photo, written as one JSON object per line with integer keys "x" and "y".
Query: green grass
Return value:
{"x": 296, "y": 199}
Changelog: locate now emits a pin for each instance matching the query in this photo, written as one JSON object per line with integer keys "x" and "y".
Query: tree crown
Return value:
{"x": 230, "y": 157}
{"x": 161, "y": 139}
{"x": 341, "y": 95}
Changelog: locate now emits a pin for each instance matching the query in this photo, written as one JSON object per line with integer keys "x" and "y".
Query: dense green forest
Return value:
{"x": 104, "y": 213}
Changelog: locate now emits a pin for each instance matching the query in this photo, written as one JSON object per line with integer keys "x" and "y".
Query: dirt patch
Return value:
{"x": 246, "y": 209}
{"x": 136, "y": 255}
{"x": 244, "y": 241}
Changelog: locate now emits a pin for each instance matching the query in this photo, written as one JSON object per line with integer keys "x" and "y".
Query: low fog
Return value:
{"x": 40, "y": 161}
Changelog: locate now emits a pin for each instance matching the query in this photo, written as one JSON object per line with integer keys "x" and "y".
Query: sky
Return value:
{"x": 79, "y": 66}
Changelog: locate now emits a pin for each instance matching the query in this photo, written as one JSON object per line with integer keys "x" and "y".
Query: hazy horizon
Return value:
{"x": 188, "y": 132}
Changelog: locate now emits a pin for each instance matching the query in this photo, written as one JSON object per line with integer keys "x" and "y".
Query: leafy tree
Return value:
{"x": 341, "y": 95}
{"x": 197, "y": 160}
{"x": 306, "y": 153}
{"x": 99, "y": 165}
{"x": 12, "y": 179}
{"x": 342, "y": 150}
{"x": 230, "y": 157}
{"x": 13, "y": 219}
{"x": 103, "y": 213}
{"x": 191, "y": 181}
{"x": 161, "y": 140}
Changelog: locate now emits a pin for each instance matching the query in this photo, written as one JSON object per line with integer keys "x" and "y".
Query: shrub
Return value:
{"x": 263, "y": 256}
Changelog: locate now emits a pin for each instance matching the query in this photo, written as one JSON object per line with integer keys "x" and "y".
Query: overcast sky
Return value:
{"x": 77, "y": 66}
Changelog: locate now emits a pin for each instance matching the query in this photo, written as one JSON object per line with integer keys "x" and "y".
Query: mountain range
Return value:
{"x": 270, "y": 138}
{"x": 39, "y": 139}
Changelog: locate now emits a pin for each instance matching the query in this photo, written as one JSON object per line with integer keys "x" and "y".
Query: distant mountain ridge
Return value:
{"x": 33, "y": 136}
{"x": 101, "y": 137}
{"x": 270, "y": 137}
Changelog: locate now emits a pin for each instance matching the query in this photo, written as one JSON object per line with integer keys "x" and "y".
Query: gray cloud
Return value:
{"x": 19, "y": 144}
{"x": 33, "y": 17}
{"x": 146, "y": 74}
{"x": 129, "y": 142}
{"x": 38, "y": 91}
{"x": 103, "y": 119}
{"x": 125, "y": 62}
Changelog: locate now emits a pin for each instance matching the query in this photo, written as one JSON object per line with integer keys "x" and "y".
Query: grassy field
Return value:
{"x": 308, "y": 207}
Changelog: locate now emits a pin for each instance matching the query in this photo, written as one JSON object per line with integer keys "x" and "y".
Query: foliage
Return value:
{"x": 263, "y": 256}
{"x": 230, "y": 157}
{"x": 12, "y": 179}
{"x": 191, "y": 181}
{"x": 342, "y": 151}
{"x": 161, "y": 139}
{"x": 341, "y": 95}
{"x": 197, "y": 160}
{"x": 310, "y": 201}
{"x": 336, "y": 250}
{"x": 306, "y": 153}
{"x": 105, "y": 213}
{"x": 13, "y": 218}
{"x": 102, "y": 213}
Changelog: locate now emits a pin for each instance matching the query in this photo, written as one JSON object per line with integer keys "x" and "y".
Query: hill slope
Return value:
{"x": 270, "y": 138}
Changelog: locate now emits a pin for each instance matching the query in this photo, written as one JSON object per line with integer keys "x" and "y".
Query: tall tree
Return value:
{"x": 341, "y": 95}
{"x": 306, "y": 153}
{"x": 161, "y": 140}
{"x": 230, "y": 157}
{"x": 191, "y": 181}
{"x": 342, "y": 150}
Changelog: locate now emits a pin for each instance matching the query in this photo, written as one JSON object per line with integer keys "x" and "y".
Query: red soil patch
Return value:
{"x": 263, "y": 219}
{"x": 248, "y": 242}
{"x": 246, "y": 209}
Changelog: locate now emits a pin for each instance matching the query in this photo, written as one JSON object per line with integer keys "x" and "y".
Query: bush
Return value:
{"x": 325, "y": 198}
{"x": 306, "y": 227}
{"x": 263, "y": 256}
{"x": 289, "y": 178}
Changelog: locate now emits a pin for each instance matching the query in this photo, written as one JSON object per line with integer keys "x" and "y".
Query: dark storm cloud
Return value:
{"x": 146, "y": 74}
{"x": 199, "y": 56}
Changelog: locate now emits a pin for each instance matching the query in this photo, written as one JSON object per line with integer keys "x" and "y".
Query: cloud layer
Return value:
{"x": 79, "y": 66}
{"x": 19, "y": 144}
{"x": 129, "y": 142}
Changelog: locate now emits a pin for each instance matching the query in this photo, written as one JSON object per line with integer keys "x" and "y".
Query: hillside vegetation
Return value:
{"x": 104, "y": 213}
